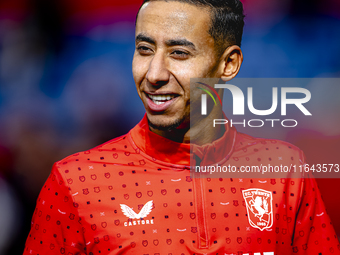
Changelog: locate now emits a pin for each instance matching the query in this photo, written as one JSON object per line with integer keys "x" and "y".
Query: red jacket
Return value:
{"x": 135, "y": 195}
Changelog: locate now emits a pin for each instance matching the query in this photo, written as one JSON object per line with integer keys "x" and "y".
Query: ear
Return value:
{"x": 232, "y": 59}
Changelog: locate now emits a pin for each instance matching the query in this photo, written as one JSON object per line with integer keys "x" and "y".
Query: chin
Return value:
{"x": 165, "y": 124}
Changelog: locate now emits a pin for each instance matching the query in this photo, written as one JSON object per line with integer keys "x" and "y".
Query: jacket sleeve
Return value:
{"x": 314, "y": 232}
{"x": 56, "y": 226}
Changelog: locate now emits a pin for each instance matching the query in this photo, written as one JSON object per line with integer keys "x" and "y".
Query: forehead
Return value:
{"x": 173, "y": 18}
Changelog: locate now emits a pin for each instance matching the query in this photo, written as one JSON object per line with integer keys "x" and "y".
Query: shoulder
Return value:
{"x": 113, "y": 152}
{"x": 110, "y": 147}
{"x": 268, "y": 150}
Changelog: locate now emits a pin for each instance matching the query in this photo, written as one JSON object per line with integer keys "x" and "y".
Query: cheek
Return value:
{"x": 139, "y": 69}
{"x": 184, "y": 71}
{"x": 137, "y": 75}
{"x": 198, "y": 68}
{"x": 181, "y": 72}
{"x": 135, "y": 71}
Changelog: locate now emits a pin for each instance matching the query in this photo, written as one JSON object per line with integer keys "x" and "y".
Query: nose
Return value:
{"x": 158, "y": 73}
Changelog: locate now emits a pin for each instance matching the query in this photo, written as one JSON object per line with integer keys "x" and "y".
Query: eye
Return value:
{"x": 180, "y": 54}
{"x": 144, "y": 50}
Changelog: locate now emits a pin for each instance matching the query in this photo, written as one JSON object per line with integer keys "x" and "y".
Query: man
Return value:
{"x": 135, "y": 194}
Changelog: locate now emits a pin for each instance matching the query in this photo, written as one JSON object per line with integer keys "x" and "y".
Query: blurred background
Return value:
{"x": 66, "y": 86}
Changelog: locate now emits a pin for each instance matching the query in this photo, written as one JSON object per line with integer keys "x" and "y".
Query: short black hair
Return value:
{"x": 227, "y": 20}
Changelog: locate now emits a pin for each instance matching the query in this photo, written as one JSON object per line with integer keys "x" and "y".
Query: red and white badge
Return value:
{"x": 259, "y": 205}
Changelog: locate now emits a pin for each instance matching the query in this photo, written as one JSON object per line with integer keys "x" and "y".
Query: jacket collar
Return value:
{"x": 165, "y": 150}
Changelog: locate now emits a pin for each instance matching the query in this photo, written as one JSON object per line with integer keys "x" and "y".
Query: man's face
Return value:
{"x": 172, "y": 46}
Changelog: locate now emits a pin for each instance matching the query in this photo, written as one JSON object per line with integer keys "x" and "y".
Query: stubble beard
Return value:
{"x": 169, "y": 127}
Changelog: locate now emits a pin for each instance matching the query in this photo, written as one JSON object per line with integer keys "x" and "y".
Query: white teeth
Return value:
{"x": 160, "y": 99}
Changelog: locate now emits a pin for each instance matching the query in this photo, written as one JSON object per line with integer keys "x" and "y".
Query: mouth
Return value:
{"x": 161, "y": 99}
{"x": 160, "y": 102}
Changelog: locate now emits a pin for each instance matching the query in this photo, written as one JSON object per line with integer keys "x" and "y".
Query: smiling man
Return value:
{"x": 135, "y": 194}
{"x": 174, "y": 46}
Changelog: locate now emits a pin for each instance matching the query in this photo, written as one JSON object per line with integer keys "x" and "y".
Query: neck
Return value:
{"x": 200, "y": 131}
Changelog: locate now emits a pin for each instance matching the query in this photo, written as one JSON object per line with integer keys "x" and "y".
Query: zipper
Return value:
{"x": 202, "y": 233}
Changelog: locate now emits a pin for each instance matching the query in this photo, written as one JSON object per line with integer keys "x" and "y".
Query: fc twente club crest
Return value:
{"x": 259, "y": 205}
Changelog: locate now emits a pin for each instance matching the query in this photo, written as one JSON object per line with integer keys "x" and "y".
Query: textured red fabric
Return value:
{"x": 135, "y": 195}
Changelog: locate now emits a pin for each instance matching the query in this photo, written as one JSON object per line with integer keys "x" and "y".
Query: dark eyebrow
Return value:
{"x": 173, "y": 42}
{"x": 144, "y": 38}
{"x": 180, "y": 42}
